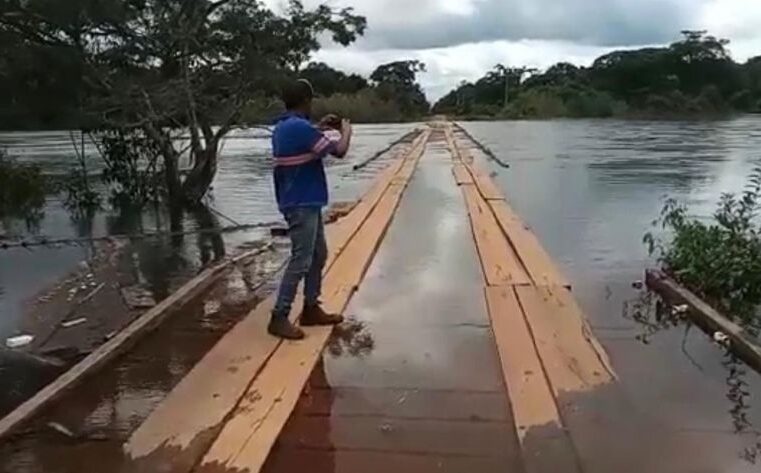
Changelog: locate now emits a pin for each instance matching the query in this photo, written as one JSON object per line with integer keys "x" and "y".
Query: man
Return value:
{"x": 301, "y": 190}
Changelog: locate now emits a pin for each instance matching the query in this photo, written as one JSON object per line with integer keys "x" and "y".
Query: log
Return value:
{"x": 706, "y": 317}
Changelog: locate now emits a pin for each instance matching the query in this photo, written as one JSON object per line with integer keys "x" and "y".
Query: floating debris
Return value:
{"x": 211, "y": 307}
{"x": 638, "y": 284}
{"x": 721, "y": 338}
{"x": 19, "y": 341}
{"x": 136, "y": 297}
{"x": 61, "y": 429}
{"x": 680, "y": 309}
{"x": 73, "y": 323}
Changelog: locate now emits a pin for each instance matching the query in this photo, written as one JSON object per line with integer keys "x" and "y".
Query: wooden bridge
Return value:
{"x": 465, "y": 350}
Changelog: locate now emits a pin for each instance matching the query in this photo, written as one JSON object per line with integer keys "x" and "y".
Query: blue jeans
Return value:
{"x": 309, "y": 252}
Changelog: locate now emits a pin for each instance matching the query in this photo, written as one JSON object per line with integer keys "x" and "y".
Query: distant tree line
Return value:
{"x": 693, "y": 76}
{"x": 391, "y": 94}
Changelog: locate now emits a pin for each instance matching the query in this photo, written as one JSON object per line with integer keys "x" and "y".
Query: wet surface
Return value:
{"x": 89, "y": 424}
{"x": 242, "y": 193}
{"x": 429, "y": 395}
{"x": 590, "y": 190}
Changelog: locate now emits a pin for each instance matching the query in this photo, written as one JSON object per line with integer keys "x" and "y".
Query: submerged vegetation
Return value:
{"x": 22, "y": 190}
{"x": 693, "y": 76}
{"x": 720, "y": 259}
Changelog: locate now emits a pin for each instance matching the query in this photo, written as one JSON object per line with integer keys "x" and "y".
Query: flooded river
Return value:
{"x": 590, "y": 190}
{"x": 242, "y": 194}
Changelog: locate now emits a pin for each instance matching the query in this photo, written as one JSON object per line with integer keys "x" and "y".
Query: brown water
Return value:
{"x": 590, "y": 190}
{"x": 242, "y": 191}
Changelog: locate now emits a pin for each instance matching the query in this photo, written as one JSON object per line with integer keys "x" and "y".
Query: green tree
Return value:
{"x": 398, "y": 81}
{"x": 328, "y": 81}
{"x": 169, "y": 68}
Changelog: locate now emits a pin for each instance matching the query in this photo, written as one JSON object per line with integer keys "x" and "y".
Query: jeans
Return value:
{"x": 309, "y": 252}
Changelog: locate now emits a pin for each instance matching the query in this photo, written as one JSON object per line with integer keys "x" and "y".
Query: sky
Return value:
{"x": 463, "y": 39}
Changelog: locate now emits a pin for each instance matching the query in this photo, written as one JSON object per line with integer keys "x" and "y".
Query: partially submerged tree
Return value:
{"x": 178, "y": 72}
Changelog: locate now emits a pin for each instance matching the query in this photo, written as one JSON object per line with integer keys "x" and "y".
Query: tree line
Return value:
{"x": 693, "y": 76}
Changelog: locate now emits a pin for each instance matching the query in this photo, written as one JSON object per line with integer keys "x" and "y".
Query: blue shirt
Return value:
{"x": 299, "y": 148}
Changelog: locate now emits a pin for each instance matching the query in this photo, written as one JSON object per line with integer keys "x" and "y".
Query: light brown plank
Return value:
{"x": 500, "y": 263}
{"x": 461, "y": 174}
{"x": 572, "y": 357}
{"x": 545, "y": 444}
{"x": 115, "y": 346}
{"x": 486, "y": 185}
{"x": 171, "y": 439}
{"x": 245, "y": 441}
{"x": 538, "y": 263}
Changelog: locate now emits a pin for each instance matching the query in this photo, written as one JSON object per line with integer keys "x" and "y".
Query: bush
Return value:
{"x": 22, "y": 189}
{"x": 719, "y": 260}
{"x": 363, "y": 107}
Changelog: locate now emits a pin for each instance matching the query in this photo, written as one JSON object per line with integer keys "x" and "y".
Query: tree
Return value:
{"x": 328, "y": 81}
{"x": 171, "y": 68}
{"x": 398, "y": 80}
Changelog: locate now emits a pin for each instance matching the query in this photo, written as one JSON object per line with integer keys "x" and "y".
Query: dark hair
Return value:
{"x": 297, "y": 93}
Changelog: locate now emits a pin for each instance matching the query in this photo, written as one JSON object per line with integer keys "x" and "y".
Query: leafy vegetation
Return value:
{"x": 695, "y": 75}
{"x": 718, "y": 259}
{"x": 157, "y": 67}
{"x": 22, "y": 190}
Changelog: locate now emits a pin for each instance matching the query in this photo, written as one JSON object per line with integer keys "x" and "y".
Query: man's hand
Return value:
{"x": 330, "y": 122}
{"x": 346, "y": 128}
{"x": 342, "y": 147}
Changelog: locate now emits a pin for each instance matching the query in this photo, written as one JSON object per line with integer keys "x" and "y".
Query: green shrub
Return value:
{"x": 22, "y": 189}
{"x": 720, "y": 259}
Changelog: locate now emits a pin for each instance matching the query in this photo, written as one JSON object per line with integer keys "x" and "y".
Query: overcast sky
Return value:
{"x": 462, "y": 39}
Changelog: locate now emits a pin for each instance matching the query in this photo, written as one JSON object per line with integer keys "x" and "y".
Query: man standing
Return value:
{"x": 301, "y": 190}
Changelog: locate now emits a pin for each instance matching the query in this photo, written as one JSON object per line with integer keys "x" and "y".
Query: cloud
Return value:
{"x": 424, "y": 24}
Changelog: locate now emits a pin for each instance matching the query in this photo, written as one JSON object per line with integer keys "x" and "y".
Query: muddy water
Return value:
{"x": 590, "y": 190}
{"x": 91, "y": 422}
{"x": 242, "y": 191}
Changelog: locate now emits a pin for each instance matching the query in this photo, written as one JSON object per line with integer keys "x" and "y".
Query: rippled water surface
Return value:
{"x": 242, "y": 193}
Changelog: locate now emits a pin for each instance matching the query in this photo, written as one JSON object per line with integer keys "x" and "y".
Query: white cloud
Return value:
{"x": 462, "y": 39}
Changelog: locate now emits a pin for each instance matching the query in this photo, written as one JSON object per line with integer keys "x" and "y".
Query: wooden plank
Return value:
{"x": 740, "y": 342}
{"x": 117, "y": 345}
{"x": 172, "y": 440}
{"x": 461, "y": 174}
{"x": 500, "y": 263}
{"x": 572, "y": 358}
{"x": 486, "y": 185}
{"x": 538, "y": 263}
{"x": 545, "y": 444}
{"x": 246, "y": 439}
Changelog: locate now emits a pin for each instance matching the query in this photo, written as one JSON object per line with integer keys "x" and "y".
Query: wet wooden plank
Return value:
{"x": 538, "y": 263}
{"x": 485, "y": 184}
{"x": 172, "y": 440}
{"x": 500, "y": 263}
{"x": 115, "y": 346}
{"x": 572, "y": 357}
{"x": 461, "y": 174}
{"x": 545, "y": 444}
{"x": 247, "y": 437}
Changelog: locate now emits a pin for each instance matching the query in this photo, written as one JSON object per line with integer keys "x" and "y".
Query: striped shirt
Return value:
{"x": 299, "y": 148}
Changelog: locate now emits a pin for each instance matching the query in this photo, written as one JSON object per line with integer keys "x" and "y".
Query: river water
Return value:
{"x": 242, "y": 193}
{"x": 590, "y": 190}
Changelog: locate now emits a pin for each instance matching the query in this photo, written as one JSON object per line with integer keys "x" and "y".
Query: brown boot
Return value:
{"x": 283, "y": 328}
{"x": 314, "y": 315}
